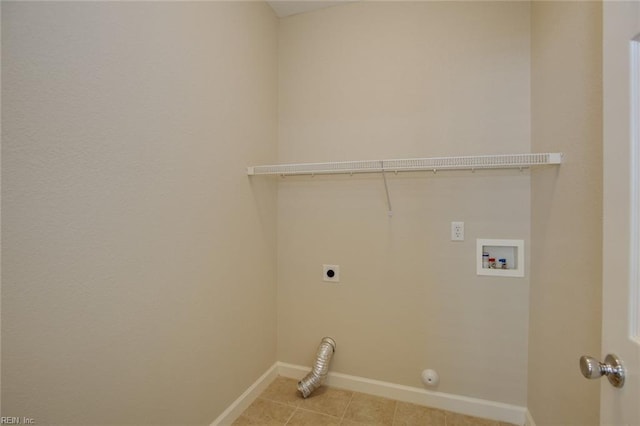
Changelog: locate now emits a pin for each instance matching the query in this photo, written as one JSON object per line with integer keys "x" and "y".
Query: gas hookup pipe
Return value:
{"x": 320, "y": 368}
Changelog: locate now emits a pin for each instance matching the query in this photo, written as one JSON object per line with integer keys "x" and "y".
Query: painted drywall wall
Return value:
{"x": 138, "y": 261}
{"x": 396, "y": 80}
{"x": 566, "y": 211}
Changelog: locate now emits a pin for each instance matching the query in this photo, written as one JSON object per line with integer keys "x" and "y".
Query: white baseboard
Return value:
{"x": 459, "y": 404}
{"x": 238, "y": 406}
{"x": 528, "y": 420}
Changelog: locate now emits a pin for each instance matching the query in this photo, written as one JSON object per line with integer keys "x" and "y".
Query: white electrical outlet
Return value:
{"x": 457, "y": 231}
{"x": 331, "y": 273}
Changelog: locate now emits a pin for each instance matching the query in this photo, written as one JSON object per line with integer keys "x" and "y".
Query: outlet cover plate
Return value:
{"x": 457, "y": 231}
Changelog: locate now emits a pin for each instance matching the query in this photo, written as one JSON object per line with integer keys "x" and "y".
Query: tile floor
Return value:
{"x": 282, "y": 404}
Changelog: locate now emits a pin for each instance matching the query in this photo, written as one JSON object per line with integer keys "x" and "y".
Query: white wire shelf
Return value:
{"x": 475, "y": 162}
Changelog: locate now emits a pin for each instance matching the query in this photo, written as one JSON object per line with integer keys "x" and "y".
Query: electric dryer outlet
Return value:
{"x": 331, "y": 273}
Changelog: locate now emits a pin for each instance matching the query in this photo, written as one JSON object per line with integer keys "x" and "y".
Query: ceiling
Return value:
{"x": 285, "y": 8}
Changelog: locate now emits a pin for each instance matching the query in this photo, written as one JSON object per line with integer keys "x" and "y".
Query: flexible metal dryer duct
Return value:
{"x": 320, "y": 368}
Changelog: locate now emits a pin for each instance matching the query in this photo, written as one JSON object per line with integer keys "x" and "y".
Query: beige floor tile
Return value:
{"x": 346, "y": 422}
{"x": 454, "y": 419}
{"x": 371, "y": 410}
{"x": 268, "y": 411}
{"x": 283, "y": 390}
{"x": 281, "y": 404}
{"x": 417, "y": 415}
{"x": 246, "y": 421}
{"x": 309, "y": 418}
{"x": 327, "y": 400}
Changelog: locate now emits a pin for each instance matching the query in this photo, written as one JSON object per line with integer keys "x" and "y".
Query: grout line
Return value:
{"x": 395, "y": 411}
{"x": 344, "y": 413}
{"x": 291, "y": 416}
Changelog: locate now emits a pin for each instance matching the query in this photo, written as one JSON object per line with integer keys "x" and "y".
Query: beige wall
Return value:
{"x": 397, "y": 80}
{"x": 566, "y": 211}
{"x": 138, "y": 262}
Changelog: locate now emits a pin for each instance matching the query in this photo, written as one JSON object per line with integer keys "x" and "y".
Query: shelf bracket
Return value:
{"x": 386, "y": 189}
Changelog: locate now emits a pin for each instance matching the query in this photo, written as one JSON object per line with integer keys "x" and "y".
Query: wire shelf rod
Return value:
{"x": 503, "y": 161}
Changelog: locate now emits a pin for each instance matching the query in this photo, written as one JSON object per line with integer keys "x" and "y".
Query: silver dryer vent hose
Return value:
{"x": 320, "y": 368}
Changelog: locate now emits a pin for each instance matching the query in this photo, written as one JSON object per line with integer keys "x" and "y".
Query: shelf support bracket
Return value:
{"x": 386, "y": 189}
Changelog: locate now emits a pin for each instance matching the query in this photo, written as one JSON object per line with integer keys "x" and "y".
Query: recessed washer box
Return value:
{"x": 511, "y": 251}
